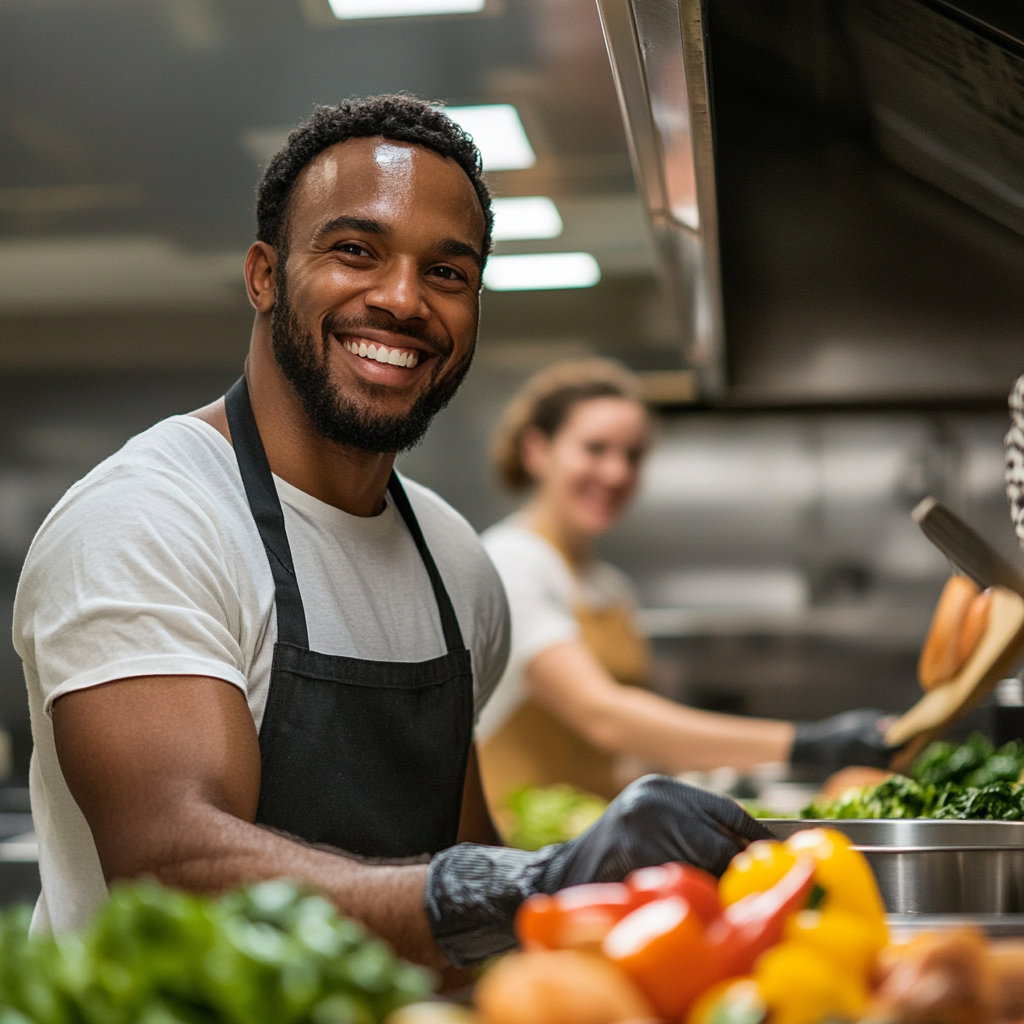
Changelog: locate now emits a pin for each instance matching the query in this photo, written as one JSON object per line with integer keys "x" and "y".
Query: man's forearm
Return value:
{"x": 208, "y": 850}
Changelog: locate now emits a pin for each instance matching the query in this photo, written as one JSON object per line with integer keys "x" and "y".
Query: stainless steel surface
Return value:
{"x": 657, "y": 51}
{"x": 906, "y": 926}
{"x": 965, "y": 547}
{"x": 937, "y": 867}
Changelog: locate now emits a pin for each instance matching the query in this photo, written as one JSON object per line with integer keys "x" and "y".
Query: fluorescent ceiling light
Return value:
{"x": 402, "y": 8}
{"x": 541, "y": 271}
{"x": 525, "y": 217}
{"x": 498, "y": 134}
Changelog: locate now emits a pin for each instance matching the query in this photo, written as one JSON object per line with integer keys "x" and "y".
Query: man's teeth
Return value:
{"x": 383, "y": 354}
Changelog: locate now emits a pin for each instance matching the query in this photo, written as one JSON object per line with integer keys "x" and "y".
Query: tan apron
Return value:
{"x": 533, "y": 747}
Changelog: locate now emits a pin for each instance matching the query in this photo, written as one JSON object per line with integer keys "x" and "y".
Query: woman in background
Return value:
{"x": 573, "y": 698}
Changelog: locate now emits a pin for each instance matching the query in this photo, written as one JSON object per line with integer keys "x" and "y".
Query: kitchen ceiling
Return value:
{"x": 132, "y": 132}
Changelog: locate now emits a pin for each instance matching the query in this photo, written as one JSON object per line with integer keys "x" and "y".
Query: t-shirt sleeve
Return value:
{"x": 494, "y": 639}
{"x": 540, "y": 594}
{"x": 127, "y": 577}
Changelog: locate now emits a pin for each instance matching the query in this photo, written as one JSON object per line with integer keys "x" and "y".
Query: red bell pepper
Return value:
{"x": 574, "y": 918}
{"x": 666, "y": 949}
{"x": 754, "y": 924}
{"x": 697, "y": 887}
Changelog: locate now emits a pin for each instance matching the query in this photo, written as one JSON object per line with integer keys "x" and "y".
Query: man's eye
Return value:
{"x": 446, "y": 273}
{"x": 352, "y": 249}
{"x": 596, "y": 448}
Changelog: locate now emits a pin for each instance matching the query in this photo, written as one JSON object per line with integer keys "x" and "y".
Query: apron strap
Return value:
{"x": 267, "y": 513}
{"x": 449, "y": 620}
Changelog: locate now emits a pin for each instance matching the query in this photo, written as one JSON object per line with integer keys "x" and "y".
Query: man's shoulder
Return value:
{"x": 431, "y": 508}
{"x": 174, "y": 465}
{"x": 449, "y": 534}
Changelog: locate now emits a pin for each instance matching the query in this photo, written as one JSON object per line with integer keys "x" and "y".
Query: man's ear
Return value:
{"x": 261, "y": 276}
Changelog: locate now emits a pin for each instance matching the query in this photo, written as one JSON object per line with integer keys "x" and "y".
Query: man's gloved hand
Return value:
{"x": 473, "y": 892}
{"x": 852, "y": 738}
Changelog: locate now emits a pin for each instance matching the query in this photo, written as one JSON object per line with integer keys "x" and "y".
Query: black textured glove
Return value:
{"x": 854, "y": 737}
{"x": 473, "y": 892}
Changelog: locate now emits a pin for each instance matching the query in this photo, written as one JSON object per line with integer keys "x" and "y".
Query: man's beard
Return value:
{"x": 334, "y": 415}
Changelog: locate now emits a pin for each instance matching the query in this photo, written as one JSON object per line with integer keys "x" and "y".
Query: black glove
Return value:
{"x": 473, "y": 892}
{"x": 854, "y": 737}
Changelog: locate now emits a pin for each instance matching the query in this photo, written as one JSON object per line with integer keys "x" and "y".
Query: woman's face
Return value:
{"x": 589, "y": 470}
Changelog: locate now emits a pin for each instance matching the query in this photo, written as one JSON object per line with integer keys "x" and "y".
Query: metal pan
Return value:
{"x": 936, "y": 867}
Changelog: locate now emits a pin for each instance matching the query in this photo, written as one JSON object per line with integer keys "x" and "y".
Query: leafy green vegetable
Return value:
{"x": 549, "y": 814}
{"x": 269, "y": 954}
{"x": 971, "y": 780}
{"x": 974, "y": 763}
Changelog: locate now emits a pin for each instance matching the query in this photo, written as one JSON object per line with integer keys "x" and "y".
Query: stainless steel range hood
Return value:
{"x": 869, "y": 284}
{"x": 657, "y": 50}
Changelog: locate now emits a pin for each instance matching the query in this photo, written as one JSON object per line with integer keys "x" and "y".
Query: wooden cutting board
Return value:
{"x": 998, "y": 650}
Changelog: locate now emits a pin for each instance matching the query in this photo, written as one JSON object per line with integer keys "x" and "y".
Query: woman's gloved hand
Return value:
{"x": 473, "y": 892}
{"x": 851, "y": 738}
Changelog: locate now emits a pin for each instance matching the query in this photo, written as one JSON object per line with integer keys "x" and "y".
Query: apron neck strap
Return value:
{"x": 269, "y": 517}
{"x": 449, "y": 620}
{"x": 266, "y": 510}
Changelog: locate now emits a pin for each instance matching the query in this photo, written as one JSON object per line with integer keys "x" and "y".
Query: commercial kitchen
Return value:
{"x": 674, "y": 673}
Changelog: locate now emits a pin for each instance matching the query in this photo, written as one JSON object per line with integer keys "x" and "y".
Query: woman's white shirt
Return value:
{"x": 542, "y": 595}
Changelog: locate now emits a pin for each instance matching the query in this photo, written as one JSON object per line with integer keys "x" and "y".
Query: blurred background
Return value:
{"x": 863, "y": 174}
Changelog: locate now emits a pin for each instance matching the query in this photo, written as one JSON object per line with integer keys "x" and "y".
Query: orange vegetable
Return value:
{"x": 663, "y": 948}
{"x": 974, "y": 626}
{"x": 574, "y": 918}
{"x": 563, "y": 986}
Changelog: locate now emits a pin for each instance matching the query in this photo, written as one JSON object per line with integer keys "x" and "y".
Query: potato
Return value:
{"x": 563, "y": 986}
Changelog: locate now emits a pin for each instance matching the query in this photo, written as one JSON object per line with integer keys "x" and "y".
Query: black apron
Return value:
{"x": 368, "y": 756}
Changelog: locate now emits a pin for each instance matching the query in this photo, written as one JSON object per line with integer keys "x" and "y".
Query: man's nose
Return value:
{"x": 398, "y": 289}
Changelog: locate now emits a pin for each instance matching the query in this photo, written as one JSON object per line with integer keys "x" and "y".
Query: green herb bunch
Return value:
{"x": 273, "y": 953}
{"x": 964, "y": 781}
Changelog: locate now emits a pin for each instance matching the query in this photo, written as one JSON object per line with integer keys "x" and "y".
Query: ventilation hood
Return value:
{"x": 930, "y": 93}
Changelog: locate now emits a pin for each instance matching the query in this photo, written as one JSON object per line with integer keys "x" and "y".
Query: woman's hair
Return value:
{"x": 544, "y": 403}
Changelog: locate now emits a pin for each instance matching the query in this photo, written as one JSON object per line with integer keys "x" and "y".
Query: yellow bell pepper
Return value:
{"x": 848, "y": 940}
{"x": 756, "y": 869}
{"x": 803, "y": 986}
{"x": 845, "y": 875}
{"x": 738, "y": 999}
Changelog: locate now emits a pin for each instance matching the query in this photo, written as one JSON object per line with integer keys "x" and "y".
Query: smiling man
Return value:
{"x": 251, "y": 648}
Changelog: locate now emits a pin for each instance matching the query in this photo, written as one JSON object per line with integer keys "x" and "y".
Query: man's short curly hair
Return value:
{"x": 396, "y": 116}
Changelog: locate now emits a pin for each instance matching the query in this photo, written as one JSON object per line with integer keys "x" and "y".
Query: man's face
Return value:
{"x": 377, "y": 303}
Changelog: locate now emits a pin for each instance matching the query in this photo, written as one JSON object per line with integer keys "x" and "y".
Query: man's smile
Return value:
{"x": 381, "y": 353}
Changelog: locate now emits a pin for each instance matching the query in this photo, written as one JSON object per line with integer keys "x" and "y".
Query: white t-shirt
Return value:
{"x": 152, "y": 565}
{"x": 542, "y": 595}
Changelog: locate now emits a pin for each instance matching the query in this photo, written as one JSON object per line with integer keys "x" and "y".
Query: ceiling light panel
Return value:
{"x": 521, "y": 217}
{"x": 542, "y": 271}
{"x": 498, "y": 134}
{"x": 351, "y": 9}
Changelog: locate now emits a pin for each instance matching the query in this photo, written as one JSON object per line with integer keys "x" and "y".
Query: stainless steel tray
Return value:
{"x": 936, "y": 867}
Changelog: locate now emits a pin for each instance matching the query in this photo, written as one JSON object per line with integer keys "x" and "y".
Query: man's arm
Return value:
{"x": 166, "y": 770}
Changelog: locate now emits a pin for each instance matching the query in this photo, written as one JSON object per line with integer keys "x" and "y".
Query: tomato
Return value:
{"x": 663, "y": 948}
{"x": 575, "y": 918}
{"x": 697, "y": 887}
